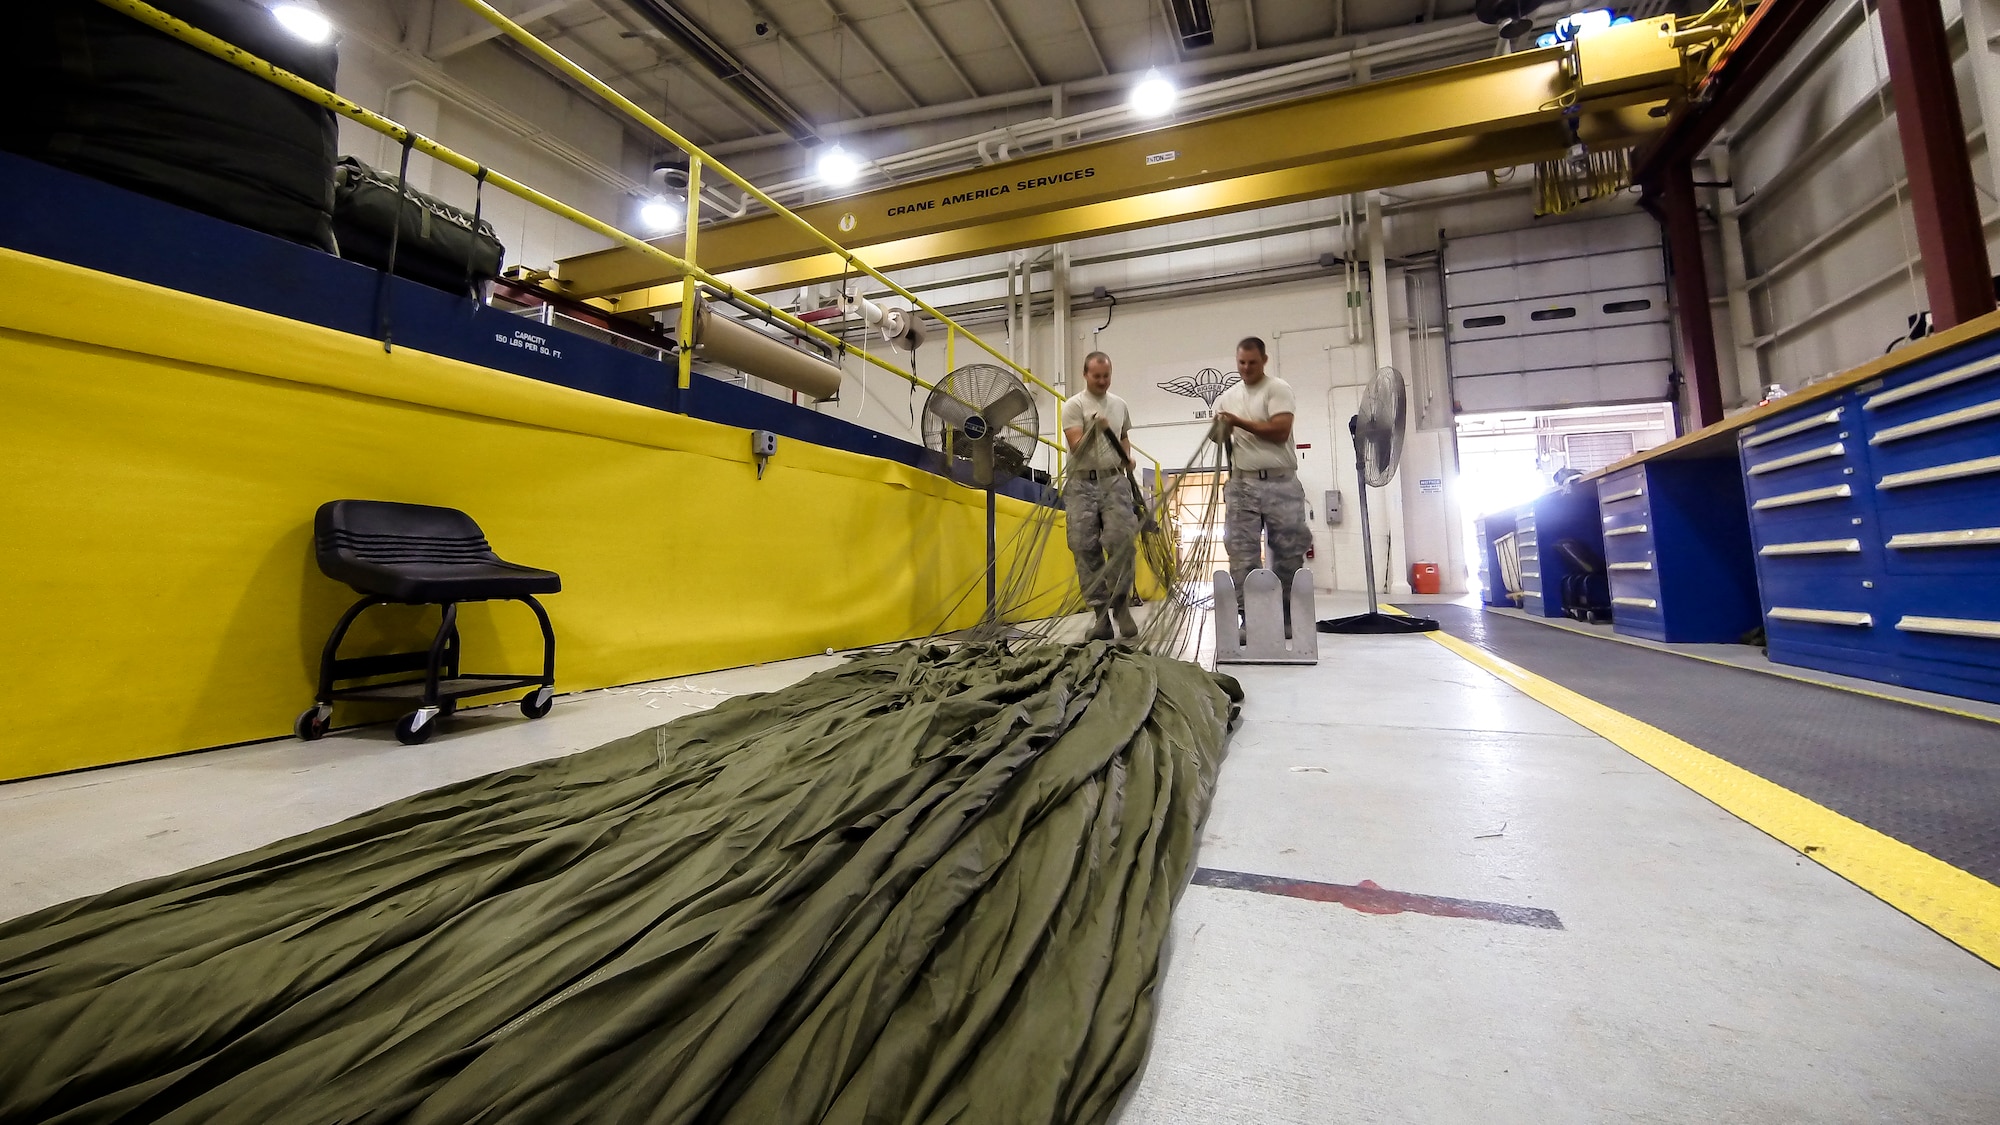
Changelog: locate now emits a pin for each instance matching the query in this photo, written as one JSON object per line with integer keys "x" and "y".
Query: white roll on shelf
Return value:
{"x": 719, "y": 339}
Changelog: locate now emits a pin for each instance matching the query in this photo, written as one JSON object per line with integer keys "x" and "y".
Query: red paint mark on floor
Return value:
{"x": 1369, "y": 897}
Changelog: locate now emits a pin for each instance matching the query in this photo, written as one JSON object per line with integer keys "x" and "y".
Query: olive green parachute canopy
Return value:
{"x": 927, "y": 886}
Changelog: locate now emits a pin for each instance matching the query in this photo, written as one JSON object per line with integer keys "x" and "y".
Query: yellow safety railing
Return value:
{"x": 697, "y": 158}
{"x": 685, "y": 268}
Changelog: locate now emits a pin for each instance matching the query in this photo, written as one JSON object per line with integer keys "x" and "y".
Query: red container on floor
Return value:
{"x": 1424, "y": 578}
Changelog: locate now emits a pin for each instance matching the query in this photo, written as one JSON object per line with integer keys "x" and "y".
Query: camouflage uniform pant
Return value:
{"x": 1273, "y": 509}
{"x": 1103, "y": 528}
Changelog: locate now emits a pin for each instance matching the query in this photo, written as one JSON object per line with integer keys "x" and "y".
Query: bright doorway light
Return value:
{"x": 304, "y": 21}
{"x": 837, "y": 167}
{"x": 1154, "y": 96}
{"x": 661, "y": 216}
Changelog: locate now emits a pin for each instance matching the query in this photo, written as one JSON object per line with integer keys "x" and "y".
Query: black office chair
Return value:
{"x": 1586, "y": 589}
{"x": 415, "y": 554}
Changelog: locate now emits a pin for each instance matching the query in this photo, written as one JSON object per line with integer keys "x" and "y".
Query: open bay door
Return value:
{"x": 1557, "y": 315}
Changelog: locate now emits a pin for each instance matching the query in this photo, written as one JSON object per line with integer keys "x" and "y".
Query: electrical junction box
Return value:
{"x": 1332, "y": 508}
{"x": 763, "y": 443}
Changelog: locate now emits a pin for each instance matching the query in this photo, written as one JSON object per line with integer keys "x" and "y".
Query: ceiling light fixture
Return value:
{"x": 661, "y": 216}
{"x": 303, "y": 20}
{"x": 837, "y": 167}
{"x": 1154, "y": 96}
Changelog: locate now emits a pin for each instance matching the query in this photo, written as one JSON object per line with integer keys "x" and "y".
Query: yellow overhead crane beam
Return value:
{"x": 1611, "y": 90}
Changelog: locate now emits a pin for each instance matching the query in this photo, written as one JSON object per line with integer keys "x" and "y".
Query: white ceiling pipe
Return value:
{"x": 963, "y": 150}
{"x": 1466, "y": 32}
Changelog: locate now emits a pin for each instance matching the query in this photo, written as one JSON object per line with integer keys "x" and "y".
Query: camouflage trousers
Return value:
{"x": 1103, "y": 529}
{"x": 1273, "y": 509}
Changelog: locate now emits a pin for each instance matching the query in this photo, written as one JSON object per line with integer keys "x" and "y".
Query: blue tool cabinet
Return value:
{"x": 1677, "y": 549}
{"x": 1538, "y": 527}
{"x": 1875, "y": 516}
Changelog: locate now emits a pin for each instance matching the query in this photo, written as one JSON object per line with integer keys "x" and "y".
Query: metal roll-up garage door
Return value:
{"x": 1565, "y": 314}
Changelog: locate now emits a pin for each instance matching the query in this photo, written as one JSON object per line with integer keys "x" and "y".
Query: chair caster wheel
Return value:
{"x": 313, "y": 723}
{"x": 416, "y": 727}
{"x": 536, "y": 703}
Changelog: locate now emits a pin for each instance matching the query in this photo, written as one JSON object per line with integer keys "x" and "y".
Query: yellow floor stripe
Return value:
{"x": 1962, "y": 907}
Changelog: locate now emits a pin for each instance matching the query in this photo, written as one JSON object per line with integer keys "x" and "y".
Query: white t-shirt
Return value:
{"x": 1095, "y": 452}
{"x": 1270, "y": 397}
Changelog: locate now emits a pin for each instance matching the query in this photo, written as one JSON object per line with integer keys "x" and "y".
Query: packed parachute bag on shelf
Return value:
{"x": 98, "y": 92}
{"x": 377, "y": 219}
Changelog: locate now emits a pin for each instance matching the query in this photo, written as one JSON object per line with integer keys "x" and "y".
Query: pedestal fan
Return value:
{"x": 1378, "y": 451}
{"x": 983, "y": 421}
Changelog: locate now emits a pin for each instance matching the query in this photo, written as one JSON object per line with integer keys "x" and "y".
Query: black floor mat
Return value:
{"x": 1929, "y": 779}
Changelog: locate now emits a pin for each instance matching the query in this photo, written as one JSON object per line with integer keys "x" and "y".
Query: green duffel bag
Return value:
{"x": 439, "y": 245}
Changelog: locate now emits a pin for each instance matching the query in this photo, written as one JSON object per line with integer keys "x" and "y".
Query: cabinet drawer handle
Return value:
{"x": 1938, "y": 422}
{"x": 1807, "y": 457}
{"x": 1635, "y": 529}
{"x": 1969, "y": 537}
{"x": 1809, "y": 496}
{"x": 1531, "y": 574}
{"x": 1628, "y": 494}
{"x": 1637, "y": 603}
{"x": 1812, "y": 423}
{"x": 1630, "y": 566}
{"x": 1951, "y": 627}
{"x": 1814, "y": 547}
{"x": 1954, "y": 471}
{"x": 1960, "y": 374}
{"x": 1823, "y": 616}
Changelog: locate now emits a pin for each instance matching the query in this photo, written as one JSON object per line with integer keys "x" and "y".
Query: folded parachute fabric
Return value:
{"x": 926, "y": 886}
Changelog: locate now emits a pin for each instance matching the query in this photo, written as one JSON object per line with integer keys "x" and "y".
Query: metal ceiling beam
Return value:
{"x": 784, "y": 39}
{"x": 1014, "y": 42}
{"x": 1494, "y": 113}
{"x": 944, "y": 53}
{"x": 1448, "y": 39}
{"x": 1250, "y": 19}
{"x": 1089, "y": 37}
{"x": 844, "y": 25}
{"x": 612, "y": 72}
{"x": 691, "y": 37}
{"x": 486, "y": 31}
{"x": 724, "y": 96}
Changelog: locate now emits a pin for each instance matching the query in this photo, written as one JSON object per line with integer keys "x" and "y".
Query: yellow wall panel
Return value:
{"x": 163, "y": 455}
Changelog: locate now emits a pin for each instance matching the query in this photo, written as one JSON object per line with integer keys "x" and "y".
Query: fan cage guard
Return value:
{"x": 980, "y": 385}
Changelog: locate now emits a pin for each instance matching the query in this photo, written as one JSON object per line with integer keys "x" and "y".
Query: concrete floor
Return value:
{"x": 1703, "y": 972}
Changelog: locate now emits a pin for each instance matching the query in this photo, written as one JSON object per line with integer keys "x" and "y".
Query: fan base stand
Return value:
{"x": 1378, "y": 623}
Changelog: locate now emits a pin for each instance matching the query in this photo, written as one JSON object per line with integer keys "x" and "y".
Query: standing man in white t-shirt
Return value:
{"x": 1103, "y": 517}
{"x": 1265, "y": 499}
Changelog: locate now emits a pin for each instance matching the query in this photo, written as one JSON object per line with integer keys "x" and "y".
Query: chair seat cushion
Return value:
{"x": 445, "y": 582}
{"x": 418, "y": 553}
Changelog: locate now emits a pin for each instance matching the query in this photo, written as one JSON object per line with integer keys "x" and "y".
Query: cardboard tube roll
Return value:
{"x": 719, "y": 339}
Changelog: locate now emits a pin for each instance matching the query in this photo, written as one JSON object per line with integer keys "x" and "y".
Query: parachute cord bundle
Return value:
{"x": 1170, "y": 553}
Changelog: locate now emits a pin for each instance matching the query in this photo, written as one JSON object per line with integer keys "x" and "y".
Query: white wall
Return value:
{"x": 1156, "y": 341}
